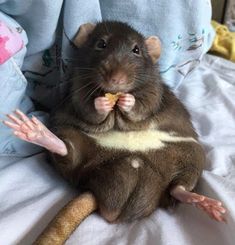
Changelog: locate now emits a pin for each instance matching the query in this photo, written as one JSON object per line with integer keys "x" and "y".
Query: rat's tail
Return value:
{"x": 67, "y": 220}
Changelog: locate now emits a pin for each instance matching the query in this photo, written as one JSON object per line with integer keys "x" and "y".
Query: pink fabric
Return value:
{"x": 10, "y": 42}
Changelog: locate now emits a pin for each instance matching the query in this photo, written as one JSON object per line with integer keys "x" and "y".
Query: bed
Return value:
{"x": 31, "y": 192}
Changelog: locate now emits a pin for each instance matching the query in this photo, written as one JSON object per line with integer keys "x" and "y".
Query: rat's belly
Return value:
{"x": 138, "y": 140}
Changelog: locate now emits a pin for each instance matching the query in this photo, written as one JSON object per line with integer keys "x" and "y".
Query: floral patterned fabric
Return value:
{"x": 183, "y": 27}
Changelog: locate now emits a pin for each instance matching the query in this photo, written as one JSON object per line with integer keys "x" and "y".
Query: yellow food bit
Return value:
{"x": 113, "y": 98}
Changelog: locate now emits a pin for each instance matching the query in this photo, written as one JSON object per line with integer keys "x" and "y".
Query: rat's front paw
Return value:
{"x": 126, "y": 102}
{"x": 103, "y": 105}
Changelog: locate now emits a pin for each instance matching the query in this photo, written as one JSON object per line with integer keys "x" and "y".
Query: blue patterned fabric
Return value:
{"x": 183, "y": 27}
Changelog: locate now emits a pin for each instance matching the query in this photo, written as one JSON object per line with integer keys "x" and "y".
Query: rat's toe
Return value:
{"x": 214, "y": 210}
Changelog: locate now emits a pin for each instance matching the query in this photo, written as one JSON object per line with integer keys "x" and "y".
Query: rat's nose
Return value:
{"x": 118, "y": 78}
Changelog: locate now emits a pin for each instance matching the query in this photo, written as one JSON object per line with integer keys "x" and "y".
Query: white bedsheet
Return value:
{"x": 31, "y": 193}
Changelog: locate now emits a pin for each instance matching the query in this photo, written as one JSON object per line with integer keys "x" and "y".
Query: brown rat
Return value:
{"x": 133, "y": 156}
{"x": 116, "y": 59}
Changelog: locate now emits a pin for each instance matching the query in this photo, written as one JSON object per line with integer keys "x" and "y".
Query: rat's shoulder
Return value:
{"x": 173, "y": 115}
{"x": 170, "y": 103}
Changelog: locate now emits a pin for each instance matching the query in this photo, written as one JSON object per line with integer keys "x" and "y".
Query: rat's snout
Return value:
{"x": 118, "y": 77}
{"x": 117, "y": 74}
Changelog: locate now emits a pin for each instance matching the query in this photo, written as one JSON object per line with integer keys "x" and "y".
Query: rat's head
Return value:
{"x": 115, "y": 56}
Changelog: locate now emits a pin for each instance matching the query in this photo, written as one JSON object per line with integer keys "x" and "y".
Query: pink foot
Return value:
{"x": 34, "y": 131}
{"x": 212, "y": 207}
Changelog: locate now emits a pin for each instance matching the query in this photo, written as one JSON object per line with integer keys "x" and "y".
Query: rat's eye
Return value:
{"x": 101, "y": 44}
{"x": 136, "y": 50}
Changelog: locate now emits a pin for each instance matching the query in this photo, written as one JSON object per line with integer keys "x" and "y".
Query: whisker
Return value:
{"x": 145, "y": 74}
{"x": 142, "y": 80}
{"x": 90, "y": 89}
{"x": 84, "y": 68}
{"x": 61, "y": 57}
{"x": 89, "y": 95}
{"x": 80, "y": 76}
{"x": 84, "y": 86}
{"x": 72, "y": 93}
{"x": 105, "y": 25}
{"x": 145, "y": 77}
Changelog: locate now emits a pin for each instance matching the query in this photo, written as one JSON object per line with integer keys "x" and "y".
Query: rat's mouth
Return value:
{"x": 115, "y": 80}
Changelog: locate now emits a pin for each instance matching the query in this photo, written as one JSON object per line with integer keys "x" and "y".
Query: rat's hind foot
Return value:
{"x": 212, "y": 207}
{"x": 34, "y": 131}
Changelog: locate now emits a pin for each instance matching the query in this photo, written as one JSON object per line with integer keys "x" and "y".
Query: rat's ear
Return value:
{"x": 153, "y": 44}
{"x": 83, "y": 34}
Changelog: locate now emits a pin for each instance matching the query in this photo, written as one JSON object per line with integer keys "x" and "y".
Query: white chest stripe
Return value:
{"x": 138, "y": 140}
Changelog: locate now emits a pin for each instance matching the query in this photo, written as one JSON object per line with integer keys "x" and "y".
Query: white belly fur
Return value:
{"x": 138, "y": 140}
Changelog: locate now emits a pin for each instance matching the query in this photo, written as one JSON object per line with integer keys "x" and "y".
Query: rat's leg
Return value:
{"x": 186, "y": 175}
{"x": 212, "y": 207}
{"x": 34, "y": 131}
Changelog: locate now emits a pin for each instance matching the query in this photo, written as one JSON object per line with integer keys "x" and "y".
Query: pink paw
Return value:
{"x": 213, "y": 208}
{"x": 34, "y": 131}
{"x": 26, "y": 129}
{"x": 103, "y": 105}
{"x": 126, "y": 102}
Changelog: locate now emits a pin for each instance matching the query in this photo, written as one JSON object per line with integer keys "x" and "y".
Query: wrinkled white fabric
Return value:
{"x": 31, "y": 193}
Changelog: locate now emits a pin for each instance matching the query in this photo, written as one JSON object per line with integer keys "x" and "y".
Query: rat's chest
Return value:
{"x": 138, "y": 140}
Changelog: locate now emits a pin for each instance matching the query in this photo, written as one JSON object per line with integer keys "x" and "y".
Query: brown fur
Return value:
{"x": 124, "y": 193}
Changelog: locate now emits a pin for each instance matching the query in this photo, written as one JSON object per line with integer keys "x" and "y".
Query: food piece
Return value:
{"x": 113, "y": 98}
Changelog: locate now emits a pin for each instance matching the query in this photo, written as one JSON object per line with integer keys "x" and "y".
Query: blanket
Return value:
{"x": 35, "y": 81}
{"x": 31, "y": 192}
